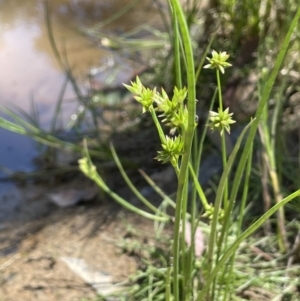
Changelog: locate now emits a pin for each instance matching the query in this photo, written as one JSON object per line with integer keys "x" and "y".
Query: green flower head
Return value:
{"x": 144, "y": 96}
{"x": 172, "y": 149}
{"x": 218, "y": 61}
{"x": 220, "y": 120}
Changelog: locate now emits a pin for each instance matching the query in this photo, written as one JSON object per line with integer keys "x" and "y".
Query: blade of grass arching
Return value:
{"x": 44, "y": 138}
{"x": 263, "y": 101}
{"x": 30, "y": 118}
{"x": 29, "y": 125}
{"x": 132, "y": 187}
{"x": 87, "y": 168}
{"x": 209, "y": 280}
{"x": 10, "y": 126}
{"x": 218, "y": 200}
{"x": 37, "y": 135}
{"x": 187, "y": 136}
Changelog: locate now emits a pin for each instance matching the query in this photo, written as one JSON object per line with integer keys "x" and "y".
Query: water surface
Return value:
{"x": 29, "y": 72}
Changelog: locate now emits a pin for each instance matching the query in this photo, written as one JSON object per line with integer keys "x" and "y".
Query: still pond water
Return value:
{"x": 29, "y": 71}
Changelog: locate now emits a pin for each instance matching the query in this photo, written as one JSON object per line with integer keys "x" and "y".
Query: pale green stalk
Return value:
{"x": 203, "y": 58}
{"x": 39, "y": 135}
{"x": 157, "y": 124}
{"x": 132, "y": 187}
{"x": 98, "y": 180}
{"x": 176, "y": 49}
{"x": 224, "y": 161}
{"x": 198, "y": 188}
{"x": 87, "y": 167}
{"x": 223, "y": 138}
{"x": 188, "y": 138}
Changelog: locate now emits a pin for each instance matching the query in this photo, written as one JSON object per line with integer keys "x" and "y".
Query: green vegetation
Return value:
{"x": 214, "y": 240}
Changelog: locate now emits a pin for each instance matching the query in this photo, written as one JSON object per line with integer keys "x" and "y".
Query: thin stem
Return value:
{"x": 219, "y": 89}
{"x": 176, "y": 47}
{"x": 188, "y": 138}
{"x": 131, "y": 185}
{"x": 157, "y": 124}
{"x": 90, "y": 171}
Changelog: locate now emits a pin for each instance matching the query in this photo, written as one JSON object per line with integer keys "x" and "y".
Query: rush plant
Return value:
{"x": 212, "y": 276}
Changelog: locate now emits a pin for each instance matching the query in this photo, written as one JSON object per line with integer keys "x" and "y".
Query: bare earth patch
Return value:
{"x": 31, "y": 267}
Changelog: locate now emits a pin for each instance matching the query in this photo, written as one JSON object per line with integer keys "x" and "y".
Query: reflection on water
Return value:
{"x": 29, "y": 71}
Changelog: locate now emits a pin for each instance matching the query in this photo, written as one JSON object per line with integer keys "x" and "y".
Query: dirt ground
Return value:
{"x": 31, "y": 250}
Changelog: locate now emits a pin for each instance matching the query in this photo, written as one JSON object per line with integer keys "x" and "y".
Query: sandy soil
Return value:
{"x": 31, "y": 267}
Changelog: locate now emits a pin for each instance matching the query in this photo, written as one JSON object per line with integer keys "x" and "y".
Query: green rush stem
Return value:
{"x": 188, "y": 138}
{"x": 224, "y": 160}
{"x": 219, "y": 89}
{"x": 223, "y": 138}
{"x": 176, "y": 47}
{"x": 131, "y": 185}
{"x": 125, "y": 204}
{"x": 201, "y": 63}
{"x": 157, "y": 124}
{"x": 184, "y": 269}
{"x": 90, "y": 171}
